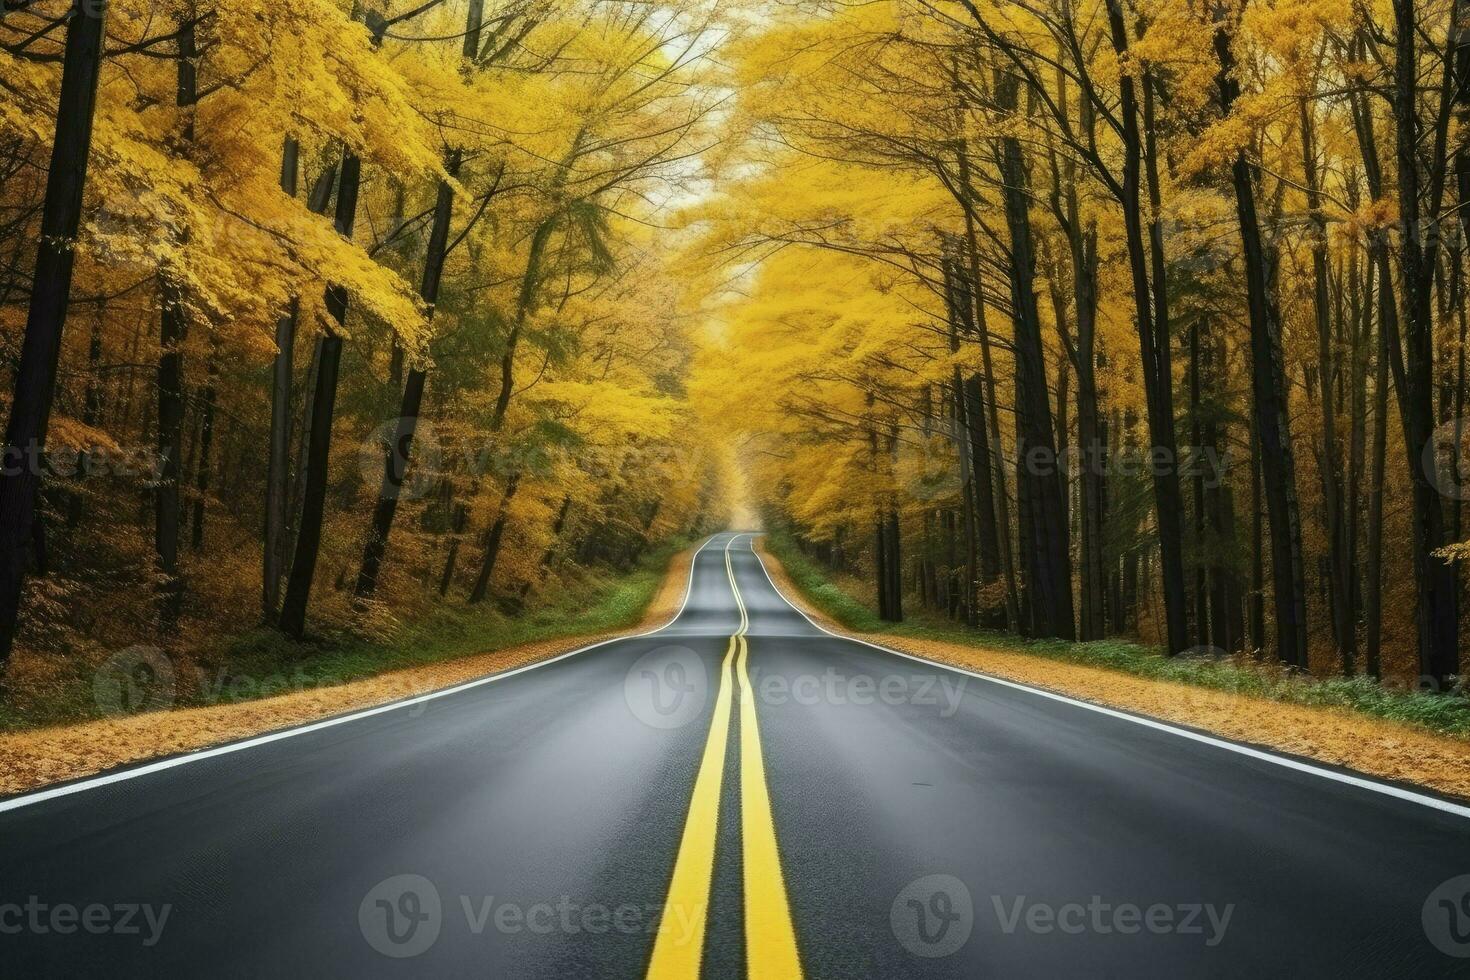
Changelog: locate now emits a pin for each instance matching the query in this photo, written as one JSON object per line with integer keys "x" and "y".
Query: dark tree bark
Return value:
{"x": 1197, "y": 438}
{"x": 551, "y": 549}
{"x": 1092, "y": 447}
{"x": 1278, "y": 468}
{"x": 1048, "y": 541}
{"x": 895, "y": 568}
{"x": 173, "y": 327}
{"x": 328, "y": 361}
{"x": 526, "y": 301}
{"x": 279, "y": 460}
{"x": 960, "y": 433}
{"x": 1334, "y": 502}
{"x": 206, "y": 444}
{"x": 278, "y": 507}
{"x": 1000, "y": 495}
{"x": 323, "y": 408}
{"x": 493, "y": 540}
{"x": 461, "y": 519}
{"x": 1151, "y": 301}
{"x": 91, "y": 411}
{"x": 1437, "y": 608}
{"x": 35, "y": 378}
{"x": 400, "y": 453}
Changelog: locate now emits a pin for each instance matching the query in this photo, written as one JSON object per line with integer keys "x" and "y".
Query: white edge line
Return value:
{"x": 40, "y": 796}
{"x": 1281, "y": 760}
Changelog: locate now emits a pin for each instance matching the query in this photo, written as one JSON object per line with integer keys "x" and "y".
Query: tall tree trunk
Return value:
{"x": 889, "y": 569}
{"x": 1334, "y": 505}
{"x": 880, "y": 568}
{"x": 1092, "y": 448}
{"x": 328, "y": 361}
{"x": 530, "y": 287}
{"x": 1257, "y": 604}
{"x": 1001, "y": 495}
{"x": 1278, "y": 468}
{"x": 1048, "y": 542}
{"x": 173, "y": 327}
{"x": 1437, "y": 608}
{"x": 323, "y": 407}
{"x": 960, "y": 435}
{"x": 1201, "y": 575}
{"x": 279, "y": 459}
{"x": 493, "y": 540}
{"x": 1154, "y": 340}
{"x": 35, "y": 378}
{"x": 399, "y": 454}
{"x": 91, "y": 410}
{"x": 206, "y": 444}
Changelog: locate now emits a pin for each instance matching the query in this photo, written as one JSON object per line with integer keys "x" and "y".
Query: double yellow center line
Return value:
{"x": 770, "y": 940}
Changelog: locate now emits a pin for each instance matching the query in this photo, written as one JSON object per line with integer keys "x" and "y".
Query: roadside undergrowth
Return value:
{"x": 263, "y": 684}
{"x": 1409, "y": 736}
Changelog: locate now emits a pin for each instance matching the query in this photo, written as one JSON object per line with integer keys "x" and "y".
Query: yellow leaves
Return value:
{"x": 1372, "y": 217}
{"x": 608, "y": 412}
{"x": 67, "y": 433}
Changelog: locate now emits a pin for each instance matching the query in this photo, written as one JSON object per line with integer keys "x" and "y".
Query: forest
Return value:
{"x": 1118, "y": 318}
{"x": 1071, "y": 318}
{"x": 321, "y": 315}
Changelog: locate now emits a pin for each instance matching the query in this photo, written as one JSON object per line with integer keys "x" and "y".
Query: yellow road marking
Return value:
{"x": 770, "y": 938}
{"x": 679, "y": 946}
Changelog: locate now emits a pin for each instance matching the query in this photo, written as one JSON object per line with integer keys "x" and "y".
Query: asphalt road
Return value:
{"x": 739, "y": 791}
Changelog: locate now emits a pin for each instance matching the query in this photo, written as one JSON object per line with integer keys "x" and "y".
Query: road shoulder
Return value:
{"x": 33, "y": 759}
{"x": 1332, "y": 736}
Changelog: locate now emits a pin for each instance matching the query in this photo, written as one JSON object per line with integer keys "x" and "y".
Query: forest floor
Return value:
{"x": 1408, "y": 737}
{"x": 345, "y": 680}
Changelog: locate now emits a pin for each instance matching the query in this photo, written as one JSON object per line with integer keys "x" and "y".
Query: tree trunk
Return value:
{"x": 1343, "y": 614}
{"x": 91, "y": 412}
{"x": 530, "y": 286}
{"x": 1154, "y": 340}
{"x": 1278, "y": 468}
{"x": 1048, "y": 541}
{"x": 1000, "y": 494}
{"x": 1437, "y": 612}
{"x": 960, "y": 434}
{"x": 173, "y": 327}
{"x": 323, "y": 407}
{"x": 1092, "y": 448}
{"x": 35, "y": 377}
{"x": 493, "y": 540}
{"x": 279, "y": 459}
{"x": 206, "y": 444}
{"x": 399, "y": 454}
{"x": 1201, "y": 576}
